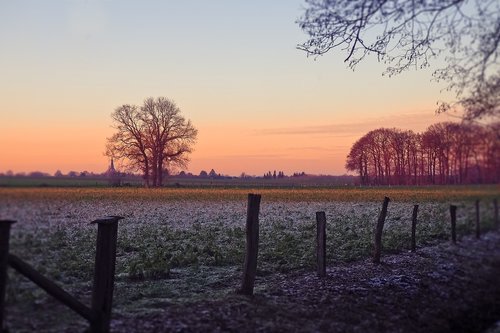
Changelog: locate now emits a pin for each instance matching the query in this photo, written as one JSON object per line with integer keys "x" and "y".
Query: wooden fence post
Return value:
{"x": 4, "y": 254}
{"x": 453, "y": 214}
{"x": 104, "y": 273}
{"x": 414, "y": 228}
{"x": 495, "y": 207}
{"x": 378, "y": 231}
{"x": 478, "y": 228}
{"x": 252, "y": 245}
{"x": 321, "y": 243}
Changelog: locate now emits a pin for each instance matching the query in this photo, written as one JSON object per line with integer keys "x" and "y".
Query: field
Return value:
{"x": 185, "y": 246}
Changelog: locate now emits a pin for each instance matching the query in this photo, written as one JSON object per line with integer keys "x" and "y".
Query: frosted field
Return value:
{"x": 184, "y": 245}
{"x": 349, "y": 212}
{"x": 180, "y": 220}
{"x": 182, "y": 214}
{"x": 46, "y": 208}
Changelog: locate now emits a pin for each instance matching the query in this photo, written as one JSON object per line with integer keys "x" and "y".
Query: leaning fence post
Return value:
{"x": 495, "y": 207}
{"x": 453, "y": 214}
{"x": 252, "y": 245}
{"x": 104, "y": 273}
{"x": 478, "y": 230}
{"x": 321, "y": 243}
{"x": 414, "y": 228}
{"x": 4, "y": 254}
{"x": 378, "y": 231}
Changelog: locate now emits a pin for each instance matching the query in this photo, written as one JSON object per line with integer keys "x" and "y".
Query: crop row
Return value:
{"x": 307, "y": 194}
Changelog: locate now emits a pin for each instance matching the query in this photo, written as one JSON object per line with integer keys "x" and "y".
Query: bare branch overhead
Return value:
{"x": 411, "y": 34}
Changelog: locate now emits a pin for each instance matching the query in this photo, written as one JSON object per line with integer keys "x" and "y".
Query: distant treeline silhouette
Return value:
{"x": 446, "y": 153}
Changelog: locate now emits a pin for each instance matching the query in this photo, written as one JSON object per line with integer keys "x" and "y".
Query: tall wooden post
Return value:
{"x": 104, "y": 273}
{"x": 252, "y": 245}
{"x": 495, "y": 218}
{"x": 478, "y": 227}
{"x": 414, "y": 228}
{"x": 453, "y": 214}
{"x": 4, "y": 254}
{"x": 378, "y": 232}
{"x": 321, "y": 243}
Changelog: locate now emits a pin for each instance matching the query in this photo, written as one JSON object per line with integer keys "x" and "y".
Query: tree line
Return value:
{"x": 446, "y": 153}
{"x": 274, "y": 175}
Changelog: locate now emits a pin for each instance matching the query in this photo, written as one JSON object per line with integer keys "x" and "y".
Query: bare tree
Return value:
{"x": 446, "y": 153}
{"x": 151, "y": 138}
{"x": 483, "y": 101}
{"x": 129, "y": 143}
{"x": 357, "y": 160}
{"x": 170, "y": 136}
{"x": 409, "y": 34}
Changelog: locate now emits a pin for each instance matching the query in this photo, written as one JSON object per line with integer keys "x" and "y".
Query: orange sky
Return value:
{"x": 259, "y": 103}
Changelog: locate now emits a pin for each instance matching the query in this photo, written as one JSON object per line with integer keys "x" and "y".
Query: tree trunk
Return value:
{"x": 146, "y": 172}
{"x": 160, "y": 170}
{"x": 154, "y": 169}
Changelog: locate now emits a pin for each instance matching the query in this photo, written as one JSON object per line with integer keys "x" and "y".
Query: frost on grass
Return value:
{"x": 184, "y": 233}
{"x": 172, "y": 251}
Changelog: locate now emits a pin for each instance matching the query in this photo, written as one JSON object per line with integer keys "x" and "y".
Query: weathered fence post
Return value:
{"x": 321, "y": 243}
{"x": 378, "y": 231}
{"x": 414, "y": 228}
{"x": 478, "y": 228}
{"x": 495, "y": 207}
{"x": 252, "y": 245}
{"x": 4, "y": 254}
{"x": 453, "y": 214}
{"x": 104, "y": 273}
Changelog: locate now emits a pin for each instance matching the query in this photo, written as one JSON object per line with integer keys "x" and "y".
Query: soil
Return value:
{"x": 442, "y": 288}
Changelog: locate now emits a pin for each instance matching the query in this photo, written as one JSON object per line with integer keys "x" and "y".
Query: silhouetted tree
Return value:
{"x": 212, "y": 174}
{"x": 151, "y": 138}
{"x": 38, "y": 174}
{"x": 357, "y": 160}
{"x": 72, "y": 174}
{"x": 408, "y": 34}
{"x": 483, "y": 101}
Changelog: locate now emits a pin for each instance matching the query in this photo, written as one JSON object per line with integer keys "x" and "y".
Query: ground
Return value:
{"x": 442, "y": 288}
{"x": 180, "y": 255}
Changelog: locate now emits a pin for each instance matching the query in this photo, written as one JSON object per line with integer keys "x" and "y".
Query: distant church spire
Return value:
{"x": 113, "y": 175}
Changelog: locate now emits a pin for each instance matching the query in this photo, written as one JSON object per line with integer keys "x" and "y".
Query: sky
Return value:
{"x": 232, "y": 67}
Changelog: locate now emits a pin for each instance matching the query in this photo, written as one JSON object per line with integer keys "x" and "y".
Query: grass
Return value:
{"x": 341, "y": 194}
{"x": 53, "y": 182}
{"x": 159, "y": 264}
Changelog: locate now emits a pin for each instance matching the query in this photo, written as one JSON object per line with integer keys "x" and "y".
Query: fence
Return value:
{"x": 99, "y": 313}
{"x": 252, "y": 237}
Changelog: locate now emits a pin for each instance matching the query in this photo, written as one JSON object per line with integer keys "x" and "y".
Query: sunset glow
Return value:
{"x": 232, "y": 68}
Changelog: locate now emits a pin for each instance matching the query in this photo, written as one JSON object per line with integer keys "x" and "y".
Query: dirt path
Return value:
{"x": 442, "y": 288}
